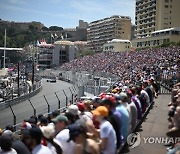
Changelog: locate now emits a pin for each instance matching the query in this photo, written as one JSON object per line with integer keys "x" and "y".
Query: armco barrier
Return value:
{"x": 17, "y": 100}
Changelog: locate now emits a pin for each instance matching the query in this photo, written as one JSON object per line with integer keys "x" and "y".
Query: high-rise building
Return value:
{"x": 153, "y": 15}
{"x": 107, "y": 29}
{"x": 81, "y": 31}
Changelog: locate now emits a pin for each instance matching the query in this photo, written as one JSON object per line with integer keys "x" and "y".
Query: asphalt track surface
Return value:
{"x": 24, "y": 109}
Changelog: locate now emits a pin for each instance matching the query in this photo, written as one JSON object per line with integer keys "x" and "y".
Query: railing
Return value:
{"x": 15, "y": 100}
{"x": 164, "y": 88}
{"x": 44, "y": 104}
{"x": 60, "y": 100}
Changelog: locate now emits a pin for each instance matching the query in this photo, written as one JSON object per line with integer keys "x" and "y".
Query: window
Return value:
{"x": 154, "y": 42}
{"x": 166, "y": 1}
{"x": 166, "y": 6}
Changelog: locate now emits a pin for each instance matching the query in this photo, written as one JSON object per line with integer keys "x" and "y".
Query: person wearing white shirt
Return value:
{"x": 63, "y": 134}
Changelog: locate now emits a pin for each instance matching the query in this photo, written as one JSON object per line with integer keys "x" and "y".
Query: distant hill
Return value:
{"x": 21, "y": 34}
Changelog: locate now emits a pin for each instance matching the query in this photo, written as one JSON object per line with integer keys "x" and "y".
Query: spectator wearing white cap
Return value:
{"x": 53, "y": 144}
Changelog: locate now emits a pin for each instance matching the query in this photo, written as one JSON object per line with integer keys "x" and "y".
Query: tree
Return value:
{"x": 33, "y": 28}
{"x": 55, "y": 28}
{"x": 45, "y": 29}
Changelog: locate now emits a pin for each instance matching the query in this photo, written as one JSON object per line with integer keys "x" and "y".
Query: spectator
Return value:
{"x": 10, "y": 127}
{"x": 83, "y": 144}
{"x": 147, "y": 88}
{"x": 114, "y": 117}
{"x": 63, "y": 134}
{"x": 132, "y": 108}
{"x": 43, "y": 121}
{"x": 137, "y": 102}
{"x": 17, "y": 144}
{"x": 6, "y": 145}
{"x": 1, "y": 131}
{"x": 53, "y": 144}
{"x": 107, "y": 133}
{"x": 125, "y": 119}
{"x": 35, "y": 142}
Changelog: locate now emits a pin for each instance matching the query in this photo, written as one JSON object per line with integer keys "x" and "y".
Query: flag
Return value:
{"x": 55, "y": 35}
{"x": 31, "y": 46}
{"x": 66, "y": 36}
{"x": 62, "y": 37}
{"x": 37, "y": 43}
{"x": 52, "y": 36}
{"x": 43, "y": 41}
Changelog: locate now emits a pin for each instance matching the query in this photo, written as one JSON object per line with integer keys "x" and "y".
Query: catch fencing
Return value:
{"x": 44, "y": 104}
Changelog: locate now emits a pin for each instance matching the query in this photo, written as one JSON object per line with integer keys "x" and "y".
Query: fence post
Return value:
{"x": 66, "y": 98}
{"x": 72, "y": 94}
{"x": 47, "y": 103}
{"x": 14, "y": 116}
{"x": 59, "y": 102}
{"x": 73, "y": 89}
{"x": 32, "y": 107}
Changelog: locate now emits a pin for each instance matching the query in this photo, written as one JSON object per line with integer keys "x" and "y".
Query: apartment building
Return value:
{"x": 107, "y": 29}
{"x": 117, "y": 45}
{"x": 153, "y": 15}
{"x": 158, "y": 38}
{"x": 81, "y": 31}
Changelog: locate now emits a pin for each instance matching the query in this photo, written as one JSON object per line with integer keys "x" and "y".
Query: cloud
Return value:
{"x": 96, "y": 9}
{"x": 16, "y": 1}
{"x": 65, "y": 11}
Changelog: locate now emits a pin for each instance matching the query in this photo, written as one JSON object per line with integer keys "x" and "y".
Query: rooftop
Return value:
{"x": 64, "y": 42}
{"x": 110, "y": 18}
{"x": 119, "y": 40}
{"x": 165, "y": 30}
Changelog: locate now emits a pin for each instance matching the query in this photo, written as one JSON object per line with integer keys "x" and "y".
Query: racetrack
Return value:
{"x": 24, "y": 109}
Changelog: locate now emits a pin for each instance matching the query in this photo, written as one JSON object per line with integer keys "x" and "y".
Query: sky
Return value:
{"x": 64, "y": 13}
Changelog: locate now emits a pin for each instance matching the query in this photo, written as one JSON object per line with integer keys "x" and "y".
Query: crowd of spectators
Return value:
{"x": 174, "y": 119}
{"x": 129, "y": 64}
{"x": 98, "y": 125}
{"x": 102, "y": 124}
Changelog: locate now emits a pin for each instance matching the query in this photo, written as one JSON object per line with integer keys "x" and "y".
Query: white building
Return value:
{"x": 64, "y": 51}
{"x": 158, "y": 38}
{"x": 117, "y": 45}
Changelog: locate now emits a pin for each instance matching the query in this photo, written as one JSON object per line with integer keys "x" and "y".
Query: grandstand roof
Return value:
{"x": 11, "y": 49}
{"x": 119, "y": 40}
{"x": 64, "y": 42}
{"x": 165, "y": 30}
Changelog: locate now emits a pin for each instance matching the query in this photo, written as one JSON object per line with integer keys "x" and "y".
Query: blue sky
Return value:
{"x": 65, "y": 13}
